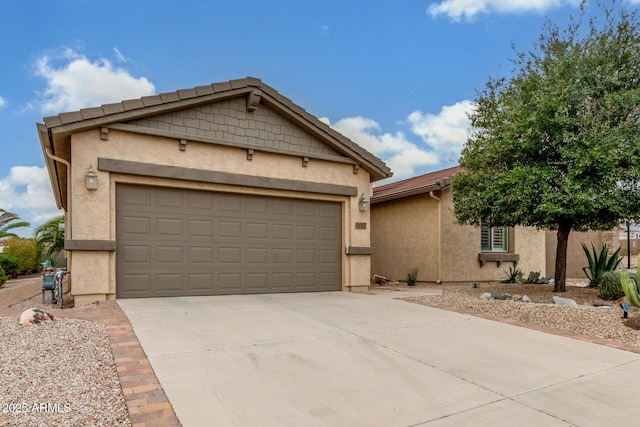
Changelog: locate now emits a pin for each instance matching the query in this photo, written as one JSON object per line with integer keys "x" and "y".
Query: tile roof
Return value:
{"x": 417, "y": 185}
{"x": 56, "y": 130}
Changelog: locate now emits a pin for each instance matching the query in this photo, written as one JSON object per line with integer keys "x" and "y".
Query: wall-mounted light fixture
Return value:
{"x": 363, "y": 203}
{"x": 91, "y": 179}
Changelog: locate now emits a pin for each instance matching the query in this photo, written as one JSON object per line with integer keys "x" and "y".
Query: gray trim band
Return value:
{"x": 201, "y": 175}
{"x": 89, "y": 245}
{"x": 498, "y": 258}
{"x": 359, "y": 250}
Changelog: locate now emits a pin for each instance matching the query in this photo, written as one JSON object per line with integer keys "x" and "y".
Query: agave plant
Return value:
{"x": 513, "y": 275}
{"x": 599, "y": 263}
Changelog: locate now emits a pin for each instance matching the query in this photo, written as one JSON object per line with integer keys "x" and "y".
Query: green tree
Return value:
{"x": 26, "y": 250}
{"x": 50, "y": 237}
{"x": 8, "y": 222}
{"x": 557, "y": 145}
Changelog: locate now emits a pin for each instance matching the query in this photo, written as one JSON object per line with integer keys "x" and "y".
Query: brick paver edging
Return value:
{"x": 146, "y": 401}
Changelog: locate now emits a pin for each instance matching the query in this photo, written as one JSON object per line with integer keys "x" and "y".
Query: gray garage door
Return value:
{"x": 179, "y": 242}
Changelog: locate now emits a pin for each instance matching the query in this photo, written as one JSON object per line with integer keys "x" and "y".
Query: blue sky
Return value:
{"x": 397, "y": 77}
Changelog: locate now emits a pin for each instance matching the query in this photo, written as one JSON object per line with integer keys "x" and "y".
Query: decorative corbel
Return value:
{"x": 305, "y": 162}
{"x": 253, "y": 99}
{"x": 104, "y": 134}
{"x": 183, "y": 145}
{"x": 356, "y": 169}
{"x": 250, "y": 154}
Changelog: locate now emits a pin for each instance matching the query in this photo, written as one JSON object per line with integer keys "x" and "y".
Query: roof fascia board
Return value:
{"x": 139, "y": 113}
{"x": 409, "y": 193}
{"x": 52, "y": 168}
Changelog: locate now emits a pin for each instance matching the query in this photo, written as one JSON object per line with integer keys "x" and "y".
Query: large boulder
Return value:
{"x": 35, "y": 316}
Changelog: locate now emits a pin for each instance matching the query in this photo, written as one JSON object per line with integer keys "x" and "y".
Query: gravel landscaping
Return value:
{"x": 58, "y": 373}
{"x": 583, "y": 319}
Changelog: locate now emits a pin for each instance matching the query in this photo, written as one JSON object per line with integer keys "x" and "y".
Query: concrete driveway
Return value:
{"x": 343, "y": 359}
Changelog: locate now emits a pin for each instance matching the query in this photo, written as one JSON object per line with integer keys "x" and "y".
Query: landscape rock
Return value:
{"x": 486, "y": 295}
{"x": 526, "y": 298}
{"x": 563, "y": 301}
{"x": 35, "y": 316}
{"x": 603, "y": 304}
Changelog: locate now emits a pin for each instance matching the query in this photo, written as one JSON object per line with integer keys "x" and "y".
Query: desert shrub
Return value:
{"x": 610, "y": 286}
{"x": 26, "y": 251}
{"x": 3, "y": 277}
{"x": 9, "y": 264}
{"x": 412, "y": 276}
{"x": 513, "y": 275}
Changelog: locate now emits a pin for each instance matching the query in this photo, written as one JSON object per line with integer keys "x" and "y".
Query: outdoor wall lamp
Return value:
{"x": 91, "y": 179}
{"x": 363, "y": 203}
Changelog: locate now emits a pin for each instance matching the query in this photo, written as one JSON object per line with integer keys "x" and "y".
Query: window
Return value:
{"x": 494, "y": 239}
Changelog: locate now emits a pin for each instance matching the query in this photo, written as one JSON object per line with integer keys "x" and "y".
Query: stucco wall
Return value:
{"x": 93, "y": 213}
{"x": 461, "y": 246}
{"x": 405, "y": 235}
{"x": 576, "y": 259}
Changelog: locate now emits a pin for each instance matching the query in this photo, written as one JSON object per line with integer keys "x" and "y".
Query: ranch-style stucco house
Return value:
{"x": 228, "y": 188}
{"x": 414, "y": 227}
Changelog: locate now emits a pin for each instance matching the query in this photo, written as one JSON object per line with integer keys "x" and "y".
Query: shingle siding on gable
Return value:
{"x": 230, "y": 121}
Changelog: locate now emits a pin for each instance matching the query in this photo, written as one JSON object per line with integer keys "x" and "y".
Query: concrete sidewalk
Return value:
{"x": 343, "y": 359}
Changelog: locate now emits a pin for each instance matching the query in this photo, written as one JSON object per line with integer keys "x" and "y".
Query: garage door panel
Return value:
{"x": 169, "y": 255}
{"x": 329, "y": 234}
{"x": 200, "y": 229}
{"x": 257, "y": 230}
{"x": 135, "y": 225}
{"x": 257, "y": 256}
{"x": 169, "y": 284}
{"x": 169, "y": 227}
{"x": 230, "y": 283}
{"x": 230, "y": 255}
{"x": 169, "y": 199}
{"x": 282, "y": 231}
{"x": 136, "y": 284}
{"x": 329, "y": 256}
{"x": 135, "y": 254}
{"x": 230, "y": 229}
{"x": 183, "y": 242}
{"x": 306, "y": 232}
{"x": 200, "y": 282}
{"x": 199, "y": 255}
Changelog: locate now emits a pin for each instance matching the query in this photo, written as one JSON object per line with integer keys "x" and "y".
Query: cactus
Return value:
{"x": 630, "y": 288}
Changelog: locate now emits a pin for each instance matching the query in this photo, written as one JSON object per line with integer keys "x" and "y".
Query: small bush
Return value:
{"x": 610, "y": 286}
{"x": 412, "y": 276}
{"x": 9, "y": 264}
{"x": 3, "y": 278}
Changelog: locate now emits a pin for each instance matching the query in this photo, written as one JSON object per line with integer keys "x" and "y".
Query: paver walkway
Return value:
{"x": 146, "y": 401}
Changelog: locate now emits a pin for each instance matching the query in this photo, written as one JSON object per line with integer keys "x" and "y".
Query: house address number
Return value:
{"x": 361, "y": 225}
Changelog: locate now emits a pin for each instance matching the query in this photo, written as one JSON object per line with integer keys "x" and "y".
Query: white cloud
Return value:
{"x": 400, "y": 154}
{"x": 119, "y": 56}
{"x": 27, "y": 192}
{"x": 468, "y": 9}
{"x": 446, "y": 132}
{"x": 75, "y": 82}
{"x": 441, "y": 136}
{"x": 3, "y": 102}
